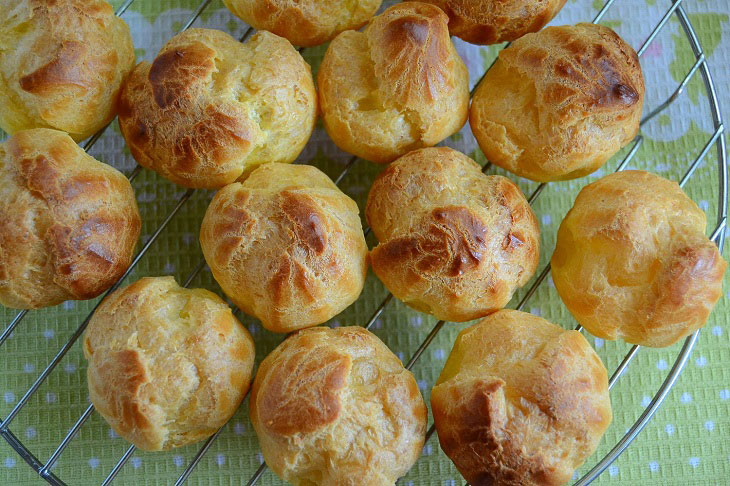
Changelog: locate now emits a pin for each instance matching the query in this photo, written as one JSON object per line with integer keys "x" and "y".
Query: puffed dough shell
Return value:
{"x": 632, "y": 260}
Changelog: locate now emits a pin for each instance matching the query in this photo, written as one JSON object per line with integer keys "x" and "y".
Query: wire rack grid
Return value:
{"x": 44, "y": 468}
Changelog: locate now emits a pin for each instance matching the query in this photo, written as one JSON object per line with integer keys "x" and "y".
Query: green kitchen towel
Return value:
{"x": 687, "y": 442}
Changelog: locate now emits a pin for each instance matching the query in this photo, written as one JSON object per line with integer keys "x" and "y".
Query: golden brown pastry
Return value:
{"x": 335, "y": 407}
{"x": 210, "y": 109}
{"x": 453, "y": 242}
{"x": 61, "y": 64}
{"x": 397, "y": 86}
{"x": 559, "y": 103}
{"x": 168, "y": 366}
{"x": 68, "y": 223}
{"x": 493, "y": 21}
{"x": 305, "y": 22}
{"x": 286, "y": 246}
{"x": 520, "y": 402}
{"x": 632, "y": 260}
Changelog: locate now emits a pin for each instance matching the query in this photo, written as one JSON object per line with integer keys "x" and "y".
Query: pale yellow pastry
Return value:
{"x": 62, "y": 63}
{"x": 168, "y": 366}
{"x": 335, "y": 407}
{"x": 305, "y": 22}
{"x": 209, "y": 109}
{"x": 632, "y": 260}
{"x": 453, "y": 242}
{"x": 520, "y": 402}
{"x": 68, "y": 223}
{"x": 397, "y": 86}
{"x": 286, "y": 246}
{"x": 559, "y": 103}
{"x": 494, "y": 21}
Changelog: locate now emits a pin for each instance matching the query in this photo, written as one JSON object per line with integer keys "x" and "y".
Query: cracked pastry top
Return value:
{"x": 62, "y": 64}
{"x": 632, "y": 260}
{"x": 520, "y": 401}
{"x": 286, "y": 245}
{"x": 453, "y": 241}
{"x": 168, "y": 366}
{"x": 336, "y": 407}
{"x": 398, "y": 86}
{"x": 305, "y": 23}
{"x": 209, "y": 109}
{"x": 494, "y": 21}
{"x": 68, "y": 223}
{"x": 559, "y": 103}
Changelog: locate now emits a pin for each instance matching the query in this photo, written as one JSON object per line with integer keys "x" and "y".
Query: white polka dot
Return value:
{"x": 400, "y": 355}
{"x": 30, "y": 433}
{"x": 253, "y": 328}
{"x": 449, "y": 482}
{"x": 701, "y": 361}
{"x": 220, "y": 459}
{"x": 94, "y": 462}
{"x": 717, "y": 331}
{"x": 112, "y": 434}
{"x": 188, "y": 238}
{"x": 551, "y": 283}
{"x": 653, "y": 466}
{"x": 669, "y": 429}
{"x": 704, "y": 205}
{"x": 260, "y": 457}
{"x": 9, "y": 397}
{"x": 598, "y": 342}
{"x": 51, "y": 397}
{"x": 422, "y": 385}
{"x": 694, "y": 461}
{"x": 710, "y": 425}
{"x": 29, "y": 367}
{"x": 547, "y": 219}
{"x": 612, "y": 470}
{"x": 646, "y": 401}
{"x": 536, "y": 311}
{"x": 70, "y": 367}
{"x": 9, "y": 462}
{"x": 439, "y": 353}
{"x": 48, "y": 334}
{"x": 177, "y": 460}
{"x": 686, "y": 398}
{"x": 661, "y": 364}
{"x": 409, "y": 483}
{"x": 136, "y": 462}
{"x": 575, "y": 475}
{"x": 416, "y": 321}
{"x": 169, "y": 268}
{"x": 239, "y": 428}
{"x": 336, "y": 324}
{"x": 427, "y": 450}
{"x": 378, "y": 324}
{"x": 69, "y": 304}
{"x": 724, "y": 394}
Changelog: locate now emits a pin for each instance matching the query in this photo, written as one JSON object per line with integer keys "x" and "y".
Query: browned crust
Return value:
{"x": 581, "y": 91}
{"x": 493, "y": 21}
{"x": 458, "y": 261}
{"x": 93, "y": 221}
{"x": 632, "y": 260}
{"x": 71, "y": 59}
{"x": 526, "y": 418}
{"x": 303, "y": 394}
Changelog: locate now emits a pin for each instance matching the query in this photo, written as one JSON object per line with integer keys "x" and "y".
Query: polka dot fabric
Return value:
{"x": 687, "y": 442}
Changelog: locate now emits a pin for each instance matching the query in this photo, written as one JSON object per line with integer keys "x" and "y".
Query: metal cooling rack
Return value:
{"x": 718, "y": 236}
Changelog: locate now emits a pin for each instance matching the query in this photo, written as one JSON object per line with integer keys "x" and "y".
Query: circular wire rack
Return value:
{"x": 716, "y": 140}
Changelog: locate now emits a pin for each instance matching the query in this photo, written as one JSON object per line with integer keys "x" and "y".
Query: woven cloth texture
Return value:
{"x": 687, "y": 442}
